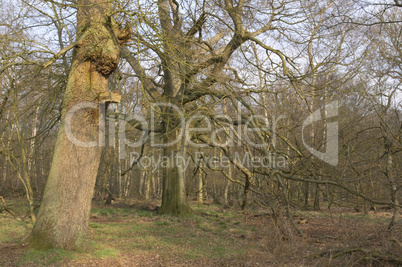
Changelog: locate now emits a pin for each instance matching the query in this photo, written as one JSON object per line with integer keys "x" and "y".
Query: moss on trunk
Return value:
{"x": 174, "y": 197}
{"x": 65, "y": 209}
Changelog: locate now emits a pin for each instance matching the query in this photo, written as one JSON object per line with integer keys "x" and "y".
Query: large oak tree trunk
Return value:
{"x": 64, "y": 213}
{"x": 174, "y": 196}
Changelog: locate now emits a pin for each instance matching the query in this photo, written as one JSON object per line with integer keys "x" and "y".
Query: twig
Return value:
{"x": 62, "y": 52}
{"x": 5, "y": 207}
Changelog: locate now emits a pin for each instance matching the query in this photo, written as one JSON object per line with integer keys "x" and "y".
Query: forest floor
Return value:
{"x": 134, "y": 235}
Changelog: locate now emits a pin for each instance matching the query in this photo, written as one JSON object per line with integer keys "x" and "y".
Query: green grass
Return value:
{"x": 53, "y": 256}
{"x": 204, "y": 235}
{"x": 378, "y": 218}
{"x": 162, "y": 223}
{"x": 12, "y": 230}
{"x": 104, "y": 252}
{"x": 46, "y": 257}
{"x": 211, "y": 233}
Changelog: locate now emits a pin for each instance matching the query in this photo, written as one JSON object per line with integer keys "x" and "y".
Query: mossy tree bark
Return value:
{"x": 174, "y": 196}
{"x": 65, "y": 209}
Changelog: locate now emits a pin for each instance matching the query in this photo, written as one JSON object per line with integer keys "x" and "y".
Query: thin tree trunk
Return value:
{"x": 393, "y": 187}
{"x": 147, "y": 184}
{"x": 227, "y": 186}
{"x": 32, "y": 147}
{"x": 246, "y": 193}
{"x": 317, "y": 197}
{"x": 306, "y": 194}
{"x": 127, "y": 191}
{"x": 153, "y": 187}
{"x": 117, "y": 158}
{"x": 8, "y": 145}
{"x": 200, "y": 188}
{"x": 141, "y": 183}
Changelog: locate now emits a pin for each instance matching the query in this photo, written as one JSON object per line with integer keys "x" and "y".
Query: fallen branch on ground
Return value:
{"x": 369, "y": 255}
